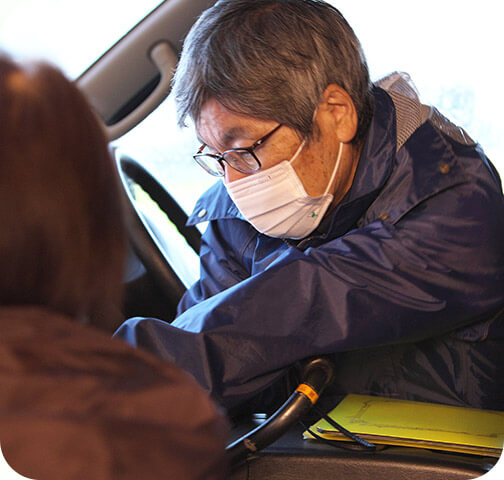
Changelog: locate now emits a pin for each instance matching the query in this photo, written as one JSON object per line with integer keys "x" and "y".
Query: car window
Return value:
{"x": 72, "y": 34}
{"x": 448, "y": 48}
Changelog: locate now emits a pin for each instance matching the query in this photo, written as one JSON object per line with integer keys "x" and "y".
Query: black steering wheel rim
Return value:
{"x": 141, "y": 236}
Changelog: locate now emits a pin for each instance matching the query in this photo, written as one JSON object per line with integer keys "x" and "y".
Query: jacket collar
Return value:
{"x": 214, "y": 204}
{"x": 373, "y": 170}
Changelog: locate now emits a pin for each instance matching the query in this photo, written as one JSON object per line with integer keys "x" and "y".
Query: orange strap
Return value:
{"x": 308, "y": 391}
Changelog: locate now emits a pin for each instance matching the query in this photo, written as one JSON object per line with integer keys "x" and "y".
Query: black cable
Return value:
{"x": 352, "y": 436}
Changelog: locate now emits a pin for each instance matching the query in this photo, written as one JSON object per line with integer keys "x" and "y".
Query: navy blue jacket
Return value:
{"x": 402, "y": 284}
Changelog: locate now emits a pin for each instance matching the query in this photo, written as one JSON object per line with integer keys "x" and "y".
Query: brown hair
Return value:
{"x": 62, "y": 234}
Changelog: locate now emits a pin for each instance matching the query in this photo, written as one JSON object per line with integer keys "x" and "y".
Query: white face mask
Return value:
{"x": 275, "y": 202}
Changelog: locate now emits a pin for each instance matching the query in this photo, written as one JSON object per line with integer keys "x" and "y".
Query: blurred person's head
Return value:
{"x": 62, "y": 244}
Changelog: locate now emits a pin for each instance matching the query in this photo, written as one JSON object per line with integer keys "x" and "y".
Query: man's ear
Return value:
{"x": 337, "y": 112}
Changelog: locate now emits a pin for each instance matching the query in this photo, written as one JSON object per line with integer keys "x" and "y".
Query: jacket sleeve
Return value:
{"x": 438, "y": 268}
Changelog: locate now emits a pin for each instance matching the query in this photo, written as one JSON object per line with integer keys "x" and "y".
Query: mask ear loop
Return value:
{"x": 336, "y": 168}
{"x": 298, "y": 151}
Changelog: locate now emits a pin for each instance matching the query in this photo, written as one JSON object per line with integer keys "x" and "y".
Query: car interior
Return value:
{"x": 124, "y": 86}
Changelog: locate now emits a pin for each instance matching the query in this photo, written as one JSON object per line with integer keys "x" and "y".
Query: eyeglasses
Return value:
{"x": 242, "y": 159}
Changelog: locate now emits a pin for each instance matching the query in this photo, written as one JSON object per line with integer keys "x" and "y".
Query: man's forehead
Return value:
{"x": 220, "y": 126}
{"x": 229, "y": 134}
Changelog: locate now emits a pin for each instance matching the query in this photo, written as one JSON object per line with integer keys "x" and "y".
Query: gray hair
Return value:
{"x": 272, "y": 60}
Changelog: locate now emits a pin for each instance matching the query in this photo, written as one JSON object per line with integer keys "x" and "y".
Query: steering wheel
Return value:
{"x": 142, "y": 234}
{"x": 316, "y": 373}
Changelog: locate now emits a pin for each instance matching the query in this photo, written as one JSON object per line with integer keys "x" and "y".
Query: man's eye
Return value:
{"x": 246, "y": 156}
{"x": 242, "y": 160}
{"x": 237, "y": 156}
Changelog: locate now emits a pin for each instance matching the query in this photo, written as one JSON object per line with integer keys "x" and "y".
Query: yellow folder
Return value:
{"x": 389, "y": 421}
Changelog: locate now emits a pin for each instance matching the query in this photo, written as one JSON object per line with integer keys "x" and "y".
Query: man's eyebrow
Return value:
{"x": 229, "y": 136}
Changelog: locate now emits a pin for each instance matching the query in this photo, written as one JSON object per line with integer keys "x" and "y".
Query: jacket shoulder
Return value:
{"x": 410, "y": 113}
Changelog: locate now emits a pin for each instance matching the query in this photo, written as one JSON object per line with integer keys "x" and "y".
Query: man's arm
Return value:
{"x": 437, "y": 269}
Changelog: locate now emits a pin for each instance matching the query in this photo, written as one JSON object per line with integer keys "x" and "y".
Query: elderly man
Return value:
{"x": 351, "y": 221}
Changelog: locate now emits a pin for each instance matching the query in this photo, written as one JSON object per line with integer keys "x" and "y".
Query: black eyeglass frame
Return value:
{"x": 221, "y": 158}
